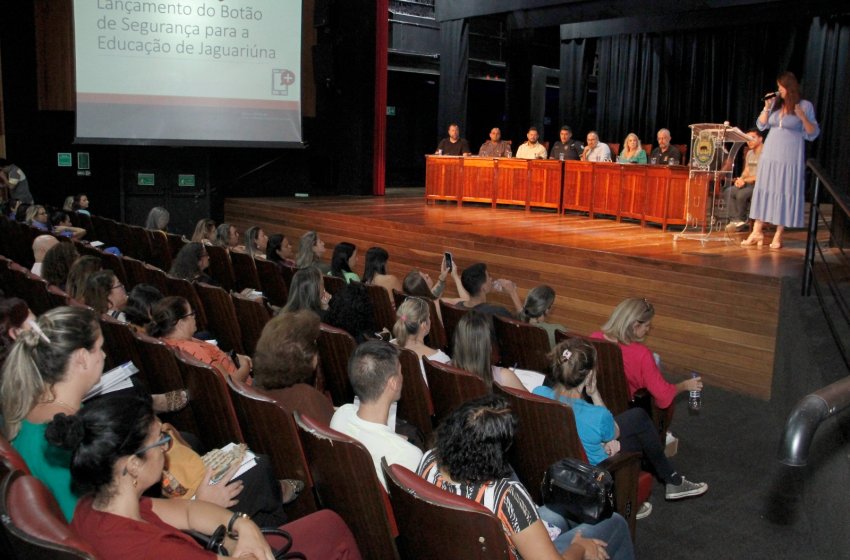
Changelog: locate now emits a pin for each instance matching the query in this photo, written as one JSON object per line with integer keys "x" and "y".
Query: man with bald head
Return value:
{"x": 595, "y": 150}
{"x": 40, "y": 246}
{"x": 665, "y": 153}
{"x": 495, "y": 146}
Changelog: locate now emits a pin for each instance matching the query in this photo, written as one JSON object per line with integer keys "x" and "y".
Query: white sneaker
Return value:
{"x": 644, "y": 511}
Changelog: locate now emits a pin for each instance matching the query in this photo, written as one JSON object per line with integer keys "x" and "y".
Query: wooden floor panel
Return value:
{"x": 717, "y": 304}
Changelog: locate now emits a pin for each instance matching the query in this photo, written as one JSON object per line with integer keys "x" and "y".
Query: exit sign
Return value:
{"x": 145, "y": 179}
{"x": 186, "y": 180}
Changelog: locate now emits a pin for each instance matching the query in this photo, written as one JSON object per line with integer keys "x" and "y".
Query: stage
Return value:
{"x": 717, "y": 304}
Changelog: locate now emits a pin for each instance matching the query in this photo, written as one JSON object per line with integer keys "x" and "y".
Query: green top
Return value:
{"x": 550, "y": 329}
{"x": 49, "y": 464}
{"x": 350, "y": 277}
{"x": 639, "y": 157}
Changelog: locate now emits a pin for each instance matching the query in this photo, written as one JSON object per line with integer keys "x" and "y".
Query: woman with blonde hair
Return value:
{"x": 310, "y": 251}
{"x": 632, "y": 150}
{"x": 204, "y": 232}
{"x": 472, "y": 350}
{"x": 413, "y": 323}
{"x": 628, "y": 326}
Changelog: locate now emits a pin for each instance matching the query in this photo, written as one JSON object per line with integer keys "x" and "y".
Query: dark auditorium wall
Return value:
{"x": 38, "y": 102}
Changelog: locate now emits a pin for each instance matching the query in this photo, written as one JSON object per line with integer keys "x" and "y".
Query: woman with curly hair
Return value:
{"x": 469, "y": 459}
{"x": 351, "y": 310}
{"x": 191, "y": 264}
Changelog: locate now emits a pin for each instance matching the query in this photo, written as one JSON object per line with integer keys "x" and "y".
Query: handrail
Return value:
{"x": 808, "y": 414}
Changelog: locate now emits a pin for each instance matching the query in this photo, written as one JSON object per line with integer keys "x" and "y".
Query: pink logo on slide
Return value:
{"x": 281, "y": 80}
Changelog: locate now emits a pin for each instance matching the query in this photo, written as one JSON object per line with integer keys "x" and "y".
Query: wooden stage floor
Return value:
{"x": 717, "y": 304}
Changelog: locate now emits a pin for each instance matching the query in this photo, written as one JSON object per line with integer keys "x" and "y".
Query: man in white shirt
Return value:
{"x": 532, "y": 149}
{"x": 375, "y": 375}
{"x": 595, "y": 150}
{"x": 40, "y": 246}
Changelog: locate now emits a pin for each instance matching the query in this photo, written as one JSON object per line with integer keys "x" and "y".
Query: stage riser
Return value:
{"x": 720, "y": 323}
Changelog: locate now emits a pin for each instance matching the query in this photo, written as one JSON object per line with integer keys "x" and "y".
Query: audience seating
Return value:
{"x": 119, "y": 343}
{"x": 245, "y": 271}
{"x": 34, "y": 524}
{"x": 58, "y": 297}
{"x": 156, "y": 277}
{"x": 272, "y": 283}
{"x": 220, "y": 266}
{"x": 252, "y": 314}
{"x": 333, "y": 284}
{"x": 220, "y": 312}
{"x": 434, "y": 523}
{"x": 269, "y": 428}
{"x": 140, "y": 243}
{"x": 136, "y": 272}
{"x": 31, "y": 288}
{"x": 522, "y": 345}
{"x": 415, "y": 405}
{"x": 547, "y": 433}
{"x": 436, "y": 337}
{"x": 451, "y": 315}
{"x": 384, "y": 309}
{"x": 84, "y": 221}
{"x": 345, "y": 480}
{"x": 450, "y": 387}
{"x": 335, "y": 348}
{"x": 288, "y": 272}
{"x": 164, "y": 247}
{"x": 10, "y": 458}
{"x": 210, "y": 404}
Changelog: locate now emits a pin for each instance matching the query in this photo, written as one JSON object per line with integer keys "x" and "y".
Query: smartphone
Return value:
{"x": 449, "y": 264}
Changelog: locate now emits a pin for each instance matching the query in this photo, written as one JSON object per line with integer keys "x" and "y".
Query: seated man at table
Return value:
{"x": 454, "y": 145}
{"x": 375, "y": 375}
{"x": 740, "y": 192}
{"x": 595, "y": 150}
{"x": 665, "y": 153}
{"x": 566, "y": 148}
{"x": 495, "y": 146}
{"x": 532, "y": 149}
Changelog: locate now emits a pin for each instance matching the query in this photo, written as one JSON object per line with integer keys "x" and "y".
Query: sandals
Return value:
{"x": 291, "y": 489}
{"x": 174, "y": 401}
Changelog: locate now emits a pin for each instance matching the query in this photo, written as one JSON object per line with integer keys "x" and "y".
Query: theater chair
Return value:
{"x": 10, "y": 458}
{"x": 346, "y": 482}
{"x": 333, "y": 284}
{"x": 273, "y": 285}
{"x": 135, "y": 271}
{"x": 253, "y": 314}
{"x": 34, "y": 524}
{"x": 269, "y": 428}
{"x": 547, "y": 433}
{"x": 118, "y": 343}
{"x": 522, "y": 345}
{"x": 451, "y": 387}
{"x": 335, "y": 348}
{"x": 436, "y": 338}
{"x": 220, "y": 312}
{"x": 221, "y": 267}
{"x": 451, "y": 315}
{"x": 415, "y": 405}
{"x": 434, "y": 523}
{"x": 245, "y": 271}
{"x": 383, "y": 306}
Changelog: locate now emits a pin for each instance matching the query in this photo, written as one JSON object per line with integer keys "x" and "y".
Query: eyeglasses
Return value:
{"x": 165, "y": 441}
{"x": 187, "y": 315}
{"x": 116, "y": 286}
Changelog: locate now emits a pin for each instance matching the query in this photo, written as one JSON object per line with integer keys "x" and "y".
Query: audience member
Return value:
{"x": 538, "y": 305}
{"x": 531, "y": 149}
{"x": 413, "y": 323}
{"x": 15, "y": 317}
{"x": 351, "y": 310}
{"x": 572, "y": 375}
{"x": 473, "y": 350}
{"x": 36, "y": 217}
{"x": 191, "y": 263}
{"x": 106, "y": 294}
{"x": 469, "y": 460}
{"x": 740, "y": 192}
{"x": 418, "y": 283}
{"x": 57, "y": 264}
{"x": 60, "y": 223}
{"x": 375, "y": 271}
{"x": 566, "y": 148}
{"x": 204, "y": 232}
{"x": 375, "y": 375}
{"x": 157, "y": 219}
{"x": 68, "y": 205}
{"x": 140, "y": 301}
{"x": 628, "y": 326}
{"x": 80, "y": 271}
{"x": 632, "y": 151}
{"x": 495, "y": 146}
{"x": 81, "y": 204}
{"x": 454, "y": 145}
{"x": 477, "y": 283}
{"x": 173, "y": 322}
{"x": 279, "y": 250}
{"x": 116, "y": 450}
{"x": 307, "y": 291}
{"x": 40, "y": 246}
{"x": 310, "y": 251}
{"x": 13, "y": 177}
{"x": 665, "y": 153}
{"x": 227, "y": 236}
{"x": 343, "y": 260}
{"x": 256, "y": 242}
{"x": 595, "y": 150}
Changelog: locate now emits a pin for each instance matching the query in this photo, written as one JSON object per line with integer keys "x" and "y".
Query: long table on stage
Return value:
{"x": 649, "y": 193}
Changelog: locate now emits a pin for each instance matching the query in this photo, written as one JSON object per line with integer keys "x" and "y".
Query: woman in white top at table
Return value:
{"x": 413, "y": 323}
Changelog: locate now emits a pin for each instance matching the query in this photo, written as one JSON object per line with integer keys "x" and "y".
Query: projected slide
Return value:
{"x": 193, "y": 72}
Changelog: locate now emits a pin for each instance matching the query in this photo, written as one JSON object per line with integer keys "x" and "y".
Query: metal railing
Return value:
{"x": 808, "y": 414}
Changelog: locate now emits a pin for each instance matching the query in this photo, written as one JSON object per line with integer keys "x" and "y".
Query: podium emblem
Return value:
{"x": 704, "y": 148}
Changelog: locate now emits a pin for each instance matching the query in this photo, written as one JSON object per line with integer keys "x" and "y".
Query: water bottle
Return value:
{"x": 694, "y": 397}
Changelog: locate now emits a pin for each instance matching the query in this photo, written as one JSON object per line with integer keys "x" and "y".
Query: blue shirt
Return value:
{"x": 595, "y": 424}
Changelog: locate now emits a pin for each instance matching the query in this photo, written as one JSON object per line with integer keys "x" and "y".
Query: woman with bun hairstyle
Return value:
{"x": 117, "y": 451}
{"x": 413, "y": 323}
{"x": 535, "y": 311}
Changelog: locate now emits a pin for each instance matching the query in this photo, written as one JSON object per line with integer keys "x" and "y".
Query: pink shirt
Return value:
{"x": 642, "y": 372}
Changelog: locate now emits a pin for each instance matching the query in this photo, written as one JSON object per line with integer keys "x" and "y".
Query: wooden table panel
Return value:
{"x": 443, "y": 177}
{"x": 478, "y": 179}
{"x": 511, "y": 181}
{"x": 545, "y": 183}
{"x": 633, "y": 192}
{"x": 578, "y": 186}
{"x": 606, "y": 189}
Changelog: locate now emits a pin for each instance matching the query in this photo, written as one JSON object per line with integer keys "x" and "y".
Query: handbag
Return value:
{"x": 215, "y": 542}
{"x": 578, "y": 491}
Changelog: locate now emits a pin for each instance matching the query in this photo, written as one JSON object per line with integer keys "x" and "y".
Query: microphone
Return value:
{"x": 770, "y": 95}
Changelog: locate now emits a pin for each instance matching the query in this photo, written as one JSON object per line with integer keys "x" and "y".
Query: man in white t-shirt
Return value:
{"x": 375, "y": 375}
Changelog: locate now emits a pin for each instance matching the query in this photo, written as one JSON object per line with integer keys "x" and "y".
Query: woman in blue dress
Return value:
{"x": 779, "y": 194}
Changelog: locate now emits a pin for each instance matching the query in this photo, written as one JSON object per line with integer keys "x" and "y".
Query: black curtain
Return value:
{"x": 575, "y": 107}
{"x": 454, "y": 74}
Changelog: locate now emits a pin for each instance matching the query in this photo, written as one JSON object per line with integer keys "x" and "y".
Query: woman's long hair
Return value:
{"x": 473, "y": 344}
{"x": 409, "y": 318}
{"x": 376, "y": 263}
{"x": 339, "y": 260}
{"x": 621, "y": 324}
{"x": 306, "y": 257}
{"x": 792, "y": 91}
{"x": 305, "y": 291}
{"x": 537, "y": 303}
